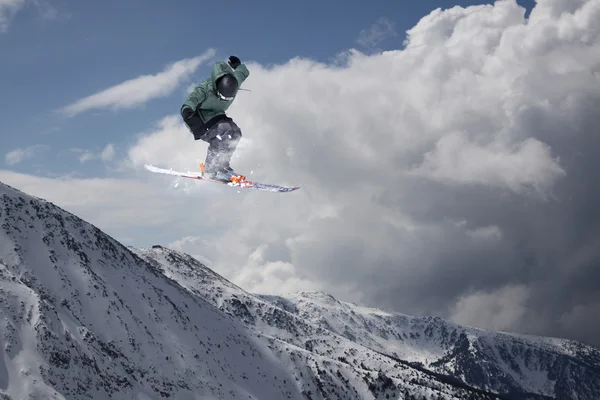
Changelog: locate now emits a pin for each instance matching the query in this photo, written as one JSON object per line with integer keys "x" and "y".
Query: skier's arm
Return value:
{"x": 194, "y": 99}
{"x": 241, "y": 73}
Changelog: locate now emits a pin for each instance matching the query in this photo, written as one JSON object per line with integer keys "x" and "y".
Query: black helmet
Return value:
{"x": 227, "y": 87}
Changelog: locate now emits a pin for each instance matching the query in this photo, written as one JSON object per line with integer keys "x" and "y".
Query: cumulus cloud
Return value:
{"x": 484, "y": 117}
{"x": 274, "y": 277}
{"x": 138, "y": 91}
{"x": 168, "y": 145}
{"x": 528, "y": 165}
{"x": 454, "y": 177}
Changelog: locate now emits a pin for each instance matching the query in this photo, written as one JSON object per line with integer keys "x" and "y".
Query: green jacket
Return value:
{"x": 204, "y": 97}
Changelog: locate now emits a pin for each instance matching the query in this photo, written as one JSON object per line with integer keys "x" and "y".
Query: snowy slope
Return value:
{"x": 324, "y": 354}
{"x": 509, "y": 364}
{"x": 498, "y": 361}
{"x": 83, "y": 317}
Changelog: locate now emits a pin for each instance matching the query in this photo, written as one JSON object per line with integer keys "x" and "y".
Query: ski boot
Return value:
{"x": 217, "y": 166}
{"x": 224, "y": 174}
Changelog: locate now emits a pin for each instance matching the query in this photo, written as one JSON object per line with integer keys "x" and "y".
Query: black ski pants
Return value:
{"x": 221, "y": 133}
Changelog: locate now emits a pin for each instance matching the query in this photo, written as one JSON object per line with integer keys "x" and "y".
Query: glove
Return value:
{"x": 187, "y": 113}
{"x": 234, "y": 62}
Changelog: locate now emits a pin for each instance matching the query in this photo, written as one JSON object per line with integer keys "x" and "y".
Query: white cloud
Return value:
{"x": 502, "y": 309}
{"x": 381, "y": 30}
{"x": 48, "y": 12}
{"x": 86, "y": 156}
{"x": 106, "y": 155}
{"x": 275, "y": 277}
{"x": 19, "y": 155}
{"x": 526, "y": 164}
{"x": 138, "y": 91}
{"x": 118, "y": 206}
{"x": 171, "y": 144}
{"x": 191, "y": 245}
{"x": 7, "y": 9}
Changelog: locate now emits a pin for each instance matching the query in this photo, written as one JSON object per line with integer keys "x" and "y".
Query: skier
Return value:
{"x": 204, "y": 114}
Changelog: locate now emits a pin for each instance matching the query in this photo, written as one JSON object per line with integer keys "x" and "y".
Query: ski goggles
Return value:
{"x": 224, "y": 98}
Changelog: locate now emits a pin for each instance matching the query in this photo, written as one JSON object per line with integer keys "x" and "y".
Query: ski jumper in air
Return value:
{"x": 204, "y": 112}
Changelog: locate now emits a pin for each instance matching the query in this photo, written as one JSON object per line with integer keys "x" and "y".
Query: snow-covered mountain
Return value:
{"x": 497, "y": 361}
{"x": 84, "y": 317}
{"x": 512, "y": 365}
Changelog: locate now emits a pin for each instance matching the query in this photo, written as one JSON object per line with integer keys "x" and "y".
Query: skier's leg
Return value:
{"x": 229, "y": 140}
{"x": 223, "y": 139}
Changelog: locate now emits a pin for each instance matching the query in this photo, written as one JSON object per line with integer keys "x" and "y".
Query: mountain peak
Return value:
{"x": 316, "y": 295}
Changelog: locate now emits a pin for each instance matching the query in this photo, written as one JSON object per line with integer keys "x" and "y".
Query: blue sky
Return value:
{"x": 59, "y": 51}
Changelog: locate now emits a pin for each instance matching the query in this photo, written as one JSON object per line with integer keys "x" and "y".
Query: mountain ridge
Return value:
{"x": 293, "y": 305}
{"x": 85, "y": 317}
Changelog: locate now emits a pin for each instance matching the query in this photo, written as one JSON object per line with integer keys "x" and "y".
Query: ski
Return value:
{"x": 243, "y": 184}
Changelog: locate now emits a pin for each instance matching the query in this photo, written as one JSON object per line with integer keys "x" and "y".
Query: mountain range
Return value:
{"x": 86, "y": 317}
